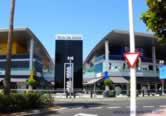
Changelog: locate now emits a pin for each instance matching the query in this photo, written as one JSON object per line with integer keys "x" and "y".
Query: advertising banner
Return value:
{"x": 68, "y": 77}
{"x": 162, "y": 72}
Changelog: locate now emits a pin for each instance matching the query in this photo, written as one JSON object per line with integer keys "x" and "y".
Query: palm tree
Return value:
{"x": 9, "y": 47}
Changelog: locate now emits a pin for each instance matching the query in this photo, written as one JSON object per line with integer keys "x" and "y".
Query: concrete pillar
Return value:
{"x": 156, "y": 89}
{"x": 107, "y": 54}
{"x": 148, "y": 89}
{"x": 94, "y": 90}
{"x": 154, "y": 57}
{"x": 128, "y": 87}
{"x": 31, "y": 53}
{"x": 163, "y": 87}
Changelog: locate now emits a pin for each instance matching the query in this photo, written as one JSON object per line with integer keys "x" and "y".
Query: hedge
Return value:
{"x": 23, "y": 101}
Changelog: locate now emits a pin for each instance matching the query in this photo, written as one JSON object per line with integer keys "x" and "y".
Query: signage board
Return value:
{"x": 162, "y": 72}
{"x": 68, "y": 76}
{"x": 105, "y": 75}
{"x": 69, "y": 37}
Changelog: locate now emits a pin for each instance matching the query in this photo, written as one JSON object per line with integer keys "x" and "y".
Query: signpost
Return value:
{"x": 132, "y": 58}
{"x": 132, "y": 69}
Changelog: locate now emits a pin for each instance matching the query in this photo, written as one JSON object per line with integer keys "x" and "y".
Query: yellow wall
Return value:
{"x": 17, "y": 48}
{"x": 20, "y": 49}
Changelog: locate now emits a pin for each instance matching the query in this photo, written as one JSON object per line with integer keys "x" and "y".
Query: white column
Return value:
{"x": 132, "y": 70}
{"x": 107, "y": 54}
{"x": 31, "y": 52}
{"x": 154, "y": 57}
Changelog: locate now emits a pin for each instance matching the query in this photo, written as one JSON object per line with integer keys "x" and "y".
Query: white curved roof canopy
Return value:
{"x": 120, "y": 38}
{"x": 24, "y": 35}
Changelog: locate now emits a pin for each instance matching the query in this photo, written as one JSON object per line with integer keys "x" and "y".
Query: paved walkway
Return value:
{"x": 56, "y": 109}
{"x": 161, "y": 112}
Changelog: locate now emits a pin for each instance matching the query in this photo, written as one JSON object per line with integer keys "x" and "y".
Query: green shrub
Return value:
{"x": 108, "y": 82}
{"x": 34, "y": 100}
{"x": 1, "y": 91}
{"x": 47, "y": 99}
{"x": 23, "y": 101}
{"x": 111, "y": 94}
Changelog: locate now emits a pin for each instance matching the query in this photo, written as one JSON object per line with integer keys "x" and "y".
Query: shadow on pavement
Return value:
{"x": 83, "y": 105}
{"x": 44, "y": 113}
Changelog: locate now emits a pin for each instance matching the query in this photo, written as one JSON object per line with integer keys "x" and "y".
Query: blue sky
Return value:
{"x": 91, "y": 18}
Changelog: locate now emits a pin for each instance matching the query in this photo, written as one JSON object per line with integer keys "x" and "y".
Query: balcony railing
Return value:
{"x": 120, "y": 57}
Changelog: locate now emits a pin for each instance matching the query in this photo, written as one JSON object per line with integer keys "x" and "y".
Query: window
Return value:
{"x": 99, "y": 68}
{"x": 144, "y": 68}
{"x": 109, "y": 66}
{"x": 151, "y": 67}
{"x": 157, "y": 68}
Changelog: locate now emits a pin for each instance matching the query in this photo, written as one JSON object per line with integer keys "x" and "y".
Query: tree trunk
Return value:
{"x": 9, "y": 47}
{"x": 107, "y": 88}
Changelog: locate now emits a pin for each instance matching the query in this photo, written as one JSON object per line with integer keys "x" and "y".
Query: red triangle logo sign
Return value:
{"x": 132, "y": 58}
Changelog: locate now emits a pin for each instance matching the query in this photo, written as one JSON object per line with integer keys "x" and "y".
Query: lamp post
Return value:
{"x": 70, "y": 59}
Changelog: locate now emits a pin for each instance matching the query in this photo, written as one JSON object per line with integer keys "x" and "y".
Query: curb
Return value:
{"x": 32, "y": 112}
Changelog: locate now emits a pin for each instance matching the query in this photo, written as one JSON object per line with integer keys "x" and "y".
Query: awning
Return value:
{"x": 16, "y": 79}
{"x": 92, "y": 81}
{"x": 119, "y": 80}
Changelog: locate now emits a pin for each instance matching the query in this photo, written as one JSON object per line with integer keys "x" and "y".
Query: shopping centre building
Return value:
{"x": 28, "y": 54}
{"x": 107, "y": 55}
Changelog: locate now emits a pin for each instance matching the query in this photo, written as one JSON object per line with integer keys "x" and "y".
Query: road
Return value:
{"x": 108, "y": 107}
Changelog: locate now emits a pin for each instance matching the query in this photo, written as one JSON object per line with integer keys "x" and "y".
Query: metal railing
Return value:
{"x": 90, "y": 93}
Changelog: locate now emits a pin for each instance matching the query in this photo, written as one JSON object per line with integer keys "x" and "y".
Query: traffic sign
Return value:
{"x": 105, "y": 75}
{"x": 132, "y": 58}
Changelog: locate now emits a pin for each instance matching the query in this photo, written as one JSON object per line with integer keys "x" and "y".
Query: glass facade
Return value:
{"x": 21, "y": 62}
{"x": 122, "y": 66}
{"x": 99, "y": 68}
{"x": 99, "y": 58}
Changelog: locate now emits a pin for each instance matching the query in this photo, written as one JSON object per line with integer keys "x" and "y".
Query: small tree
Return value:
{"x": 107, "y": 83}
{"x": 31, "y": 81}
